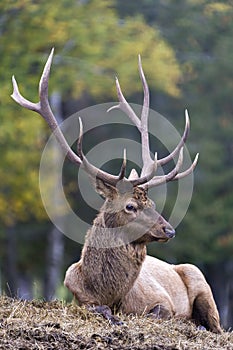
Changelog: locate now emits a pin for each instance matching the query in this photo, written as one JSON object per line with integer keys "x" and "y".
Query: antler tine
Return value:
{"x": 20, "y": 99}
{"x": 148, "y": 162}
{"x": 158, "y": 180}
{"x": 43, "y": 108}
{"x": 184, "y": 137}
{"x": 80, "y": 140}
{"x": 123, "y": 166}
{"x": 125, "y": 107}
{"x": 189, "y": 170}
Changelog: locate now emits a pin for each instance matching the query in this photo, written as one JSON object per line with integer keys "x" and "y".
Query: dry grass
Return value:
{"x": 56, "y": 325}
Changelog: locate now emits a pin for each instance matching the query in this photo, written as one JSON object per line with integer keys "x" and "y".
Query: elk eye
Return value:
{"x": 131, "y": 207}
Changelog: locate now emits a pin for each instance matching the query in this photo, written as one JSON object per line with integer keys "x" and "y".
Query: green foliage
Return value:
{"x": 209, "y": 89}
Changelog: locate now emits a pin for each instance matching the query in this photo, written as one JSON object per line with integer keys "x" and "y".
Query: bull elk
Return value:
{"x": 115, "y": 272}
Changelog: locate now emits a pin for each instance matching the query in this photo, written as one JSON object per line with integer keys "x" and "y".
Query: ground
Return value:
{"x": 56, "y": 325}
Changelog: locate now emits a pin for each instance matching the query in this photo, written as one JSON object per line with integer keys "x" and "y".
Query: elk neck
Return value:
{"x": 110, "y": 265}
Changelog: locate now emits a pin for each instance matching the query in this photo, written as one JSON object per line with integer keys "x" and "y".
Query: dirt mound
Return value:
{"x": 56, "y": 325}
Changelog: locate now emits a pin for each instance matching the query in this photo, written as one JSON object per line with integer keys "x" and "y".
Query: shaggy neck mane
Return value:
{"x": 115, "y": 264}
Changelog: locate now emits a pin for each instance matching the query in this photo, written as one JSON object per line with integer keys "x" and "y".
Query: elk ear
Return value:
{"x": 105, "y": 190}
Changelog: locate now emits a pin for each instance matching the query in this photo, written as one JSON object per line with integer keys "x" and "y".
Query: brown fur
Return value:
{"x": 115, "y": 271}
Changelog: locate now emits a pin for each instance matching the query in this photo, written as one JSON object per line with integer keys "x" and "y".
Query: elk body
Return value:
{"x": 123, "y": 277}
{"x": 115, "y": 272}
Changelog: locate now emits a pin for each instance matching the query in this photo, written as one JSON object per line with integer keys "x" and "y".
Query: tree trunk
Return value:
{"x": 25, "y": 290}
{"x": 53, "y": 263}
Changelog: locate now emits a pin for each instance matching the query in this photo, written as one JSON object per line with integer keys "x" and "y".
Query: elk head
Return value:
{"x": 126, "y": 201}
{"x": 130, "y": 215}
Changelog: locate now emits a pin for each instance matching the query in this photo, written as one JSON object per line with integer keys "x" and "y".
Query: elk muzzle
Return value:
{"x": 170, "y": 232}
{"x": 151, "y": 226}
{"x": 163, "y": 230}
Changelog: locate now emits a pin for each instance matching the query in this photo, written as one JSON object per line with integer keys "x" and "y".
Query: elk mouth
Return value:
{"x": 168, "y": 233}
{"x": 161, "y": 239}
{"x": 163, "y": 235}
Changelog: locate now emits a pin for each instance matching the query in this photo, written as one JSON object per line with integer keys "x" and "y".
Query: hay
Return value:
{"x": 41, "y": 325}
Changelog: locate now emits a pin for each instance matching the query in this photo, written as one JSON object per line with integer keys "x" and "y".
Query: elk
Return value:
{"x": 115, "y": 272}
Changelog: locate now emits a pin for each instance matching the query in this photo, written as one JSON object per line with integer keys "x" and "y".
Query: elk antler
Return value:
{"x": 43, "y": 108}
{"x": 147, "y": 177}
{"x": 142, "y": 125}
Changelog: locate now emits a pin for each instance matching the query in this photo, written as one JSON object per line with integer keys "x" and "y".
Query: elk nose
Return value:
{"x": 170, "y": 232}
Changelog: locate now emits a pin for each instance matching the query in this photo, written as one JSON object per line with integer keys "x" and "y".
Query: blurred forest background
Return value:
{"x": 187, "y": 52}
